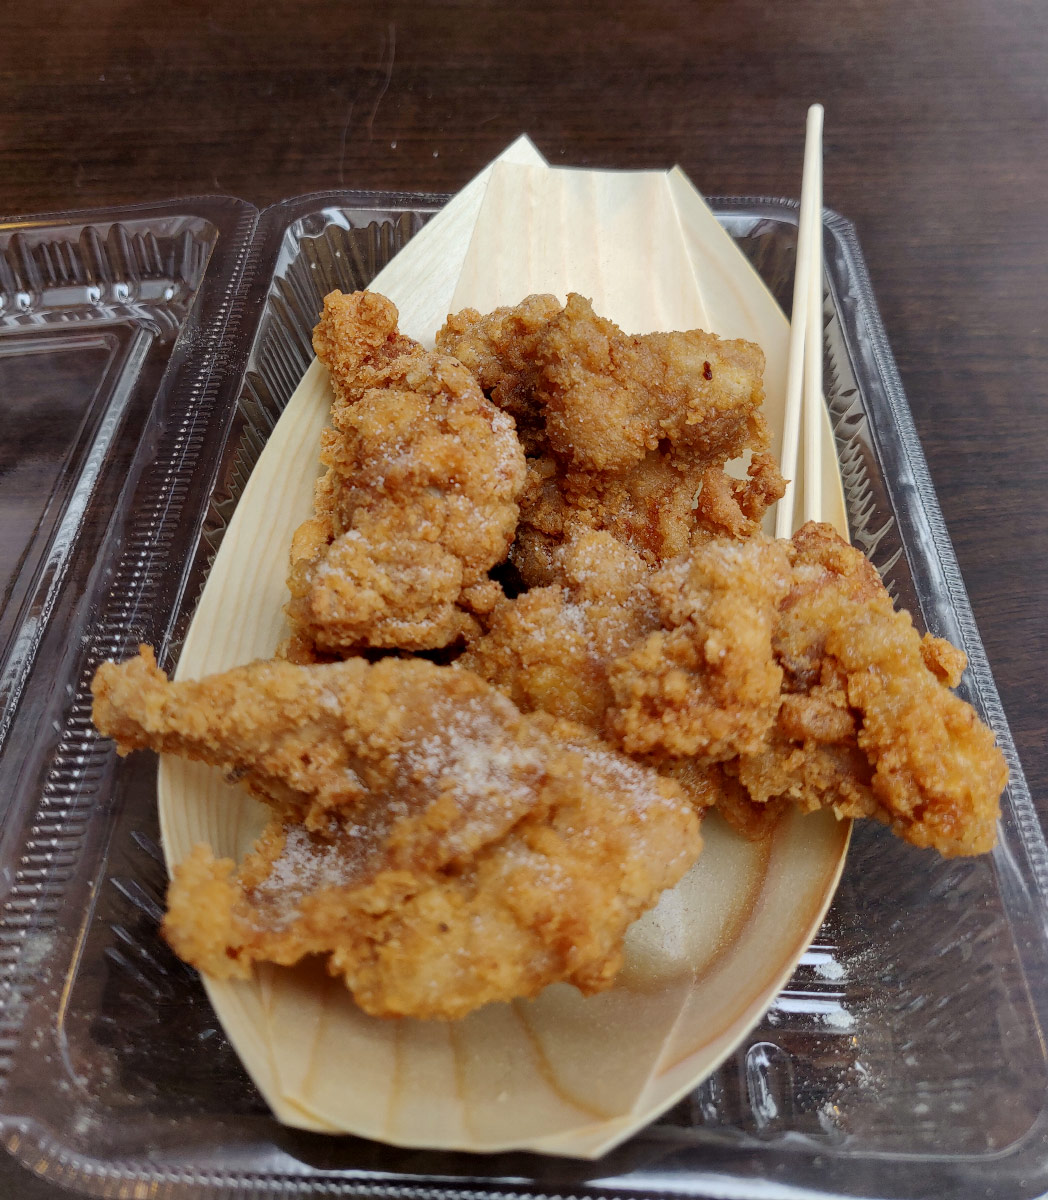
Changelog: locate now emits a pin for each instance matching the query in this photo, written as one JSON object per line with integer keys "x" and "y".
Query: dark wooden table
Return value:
{"x": 936, "y": 124}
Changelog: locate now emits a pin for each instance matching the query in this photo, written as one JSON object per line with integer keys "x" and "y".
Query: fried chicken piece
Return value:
{"x": 787, "y": 663}
{"x": 419, "y": 500}
{"x": 730, "y": 507}
{"x": 549, "y": 648}
{"x": 606, "y": 398}
{"x": 706, "y": 684}
{"x": 355, "y": 338}
{"x": 316, "y": 740}
{"x": 623, "y": 433}
{"x": 441, "y": 849}
{"x": 867, "y": 724}
{"x": 609, "y": 399}
{"x": 501, "y": 349}
{"x": 709, "y": 785}
{"x": 661, "y": 506}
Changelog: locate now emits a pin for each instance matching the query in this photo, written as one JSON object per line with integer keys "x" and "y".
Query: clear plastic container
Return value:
{"x": 145, "y": 354}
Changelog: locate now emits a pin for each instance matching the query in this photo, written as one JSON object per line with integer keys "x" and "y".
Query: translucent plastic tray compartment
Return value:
{"x": 52, "y": 388}
{"x": 904, "y": 1058}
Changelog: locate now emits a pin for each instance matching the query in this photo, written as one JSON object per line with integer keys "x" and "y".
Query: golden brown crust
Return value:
{"x": 500, "y": 349}
{"x": 420, "y": 497}
{"x": 603, "y": 397}
{"x": 787, "y": 663}
{"x": 439, "y": 848}
{"x": 705, "y": 685}
{"x": 622, "y": 432}
{"x": 549, "y": 648}
{"x": 883, "y": 735}
{"x": 356, "y": 335}
{"x": 945, "y": 662}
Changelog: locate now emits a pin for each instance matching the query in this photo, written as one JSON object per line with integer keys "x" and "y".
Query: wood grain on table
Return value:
{"x": 936, "y": 120}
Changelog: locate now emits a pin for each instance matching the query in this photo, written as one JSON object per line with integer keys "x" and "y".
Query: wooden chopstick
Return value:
{"x": 813, "y": 334}
{"x": 804, "y": 363}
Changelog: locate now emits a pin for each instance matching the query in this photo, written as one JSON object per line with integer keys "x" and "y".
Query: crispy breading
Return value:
{"x": 650, "y": 507}
{"x": 356, "y": 335}
{"x": 439, "y": 848}
{"x": 419, "y": 500}
{"x": 559, "y": 649}
{"x": 549, "y": 648}
{"x": 607, "y": 398}
{"x": 708, "y": 785}
{"x": 706, "y": 684}
{"x": 732, "y": 507}
{"x": 622, "y": 433}
{"x": 785, "y": 662}
{"x": 500, "y": 348}
{"x": 866, "y": 726}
